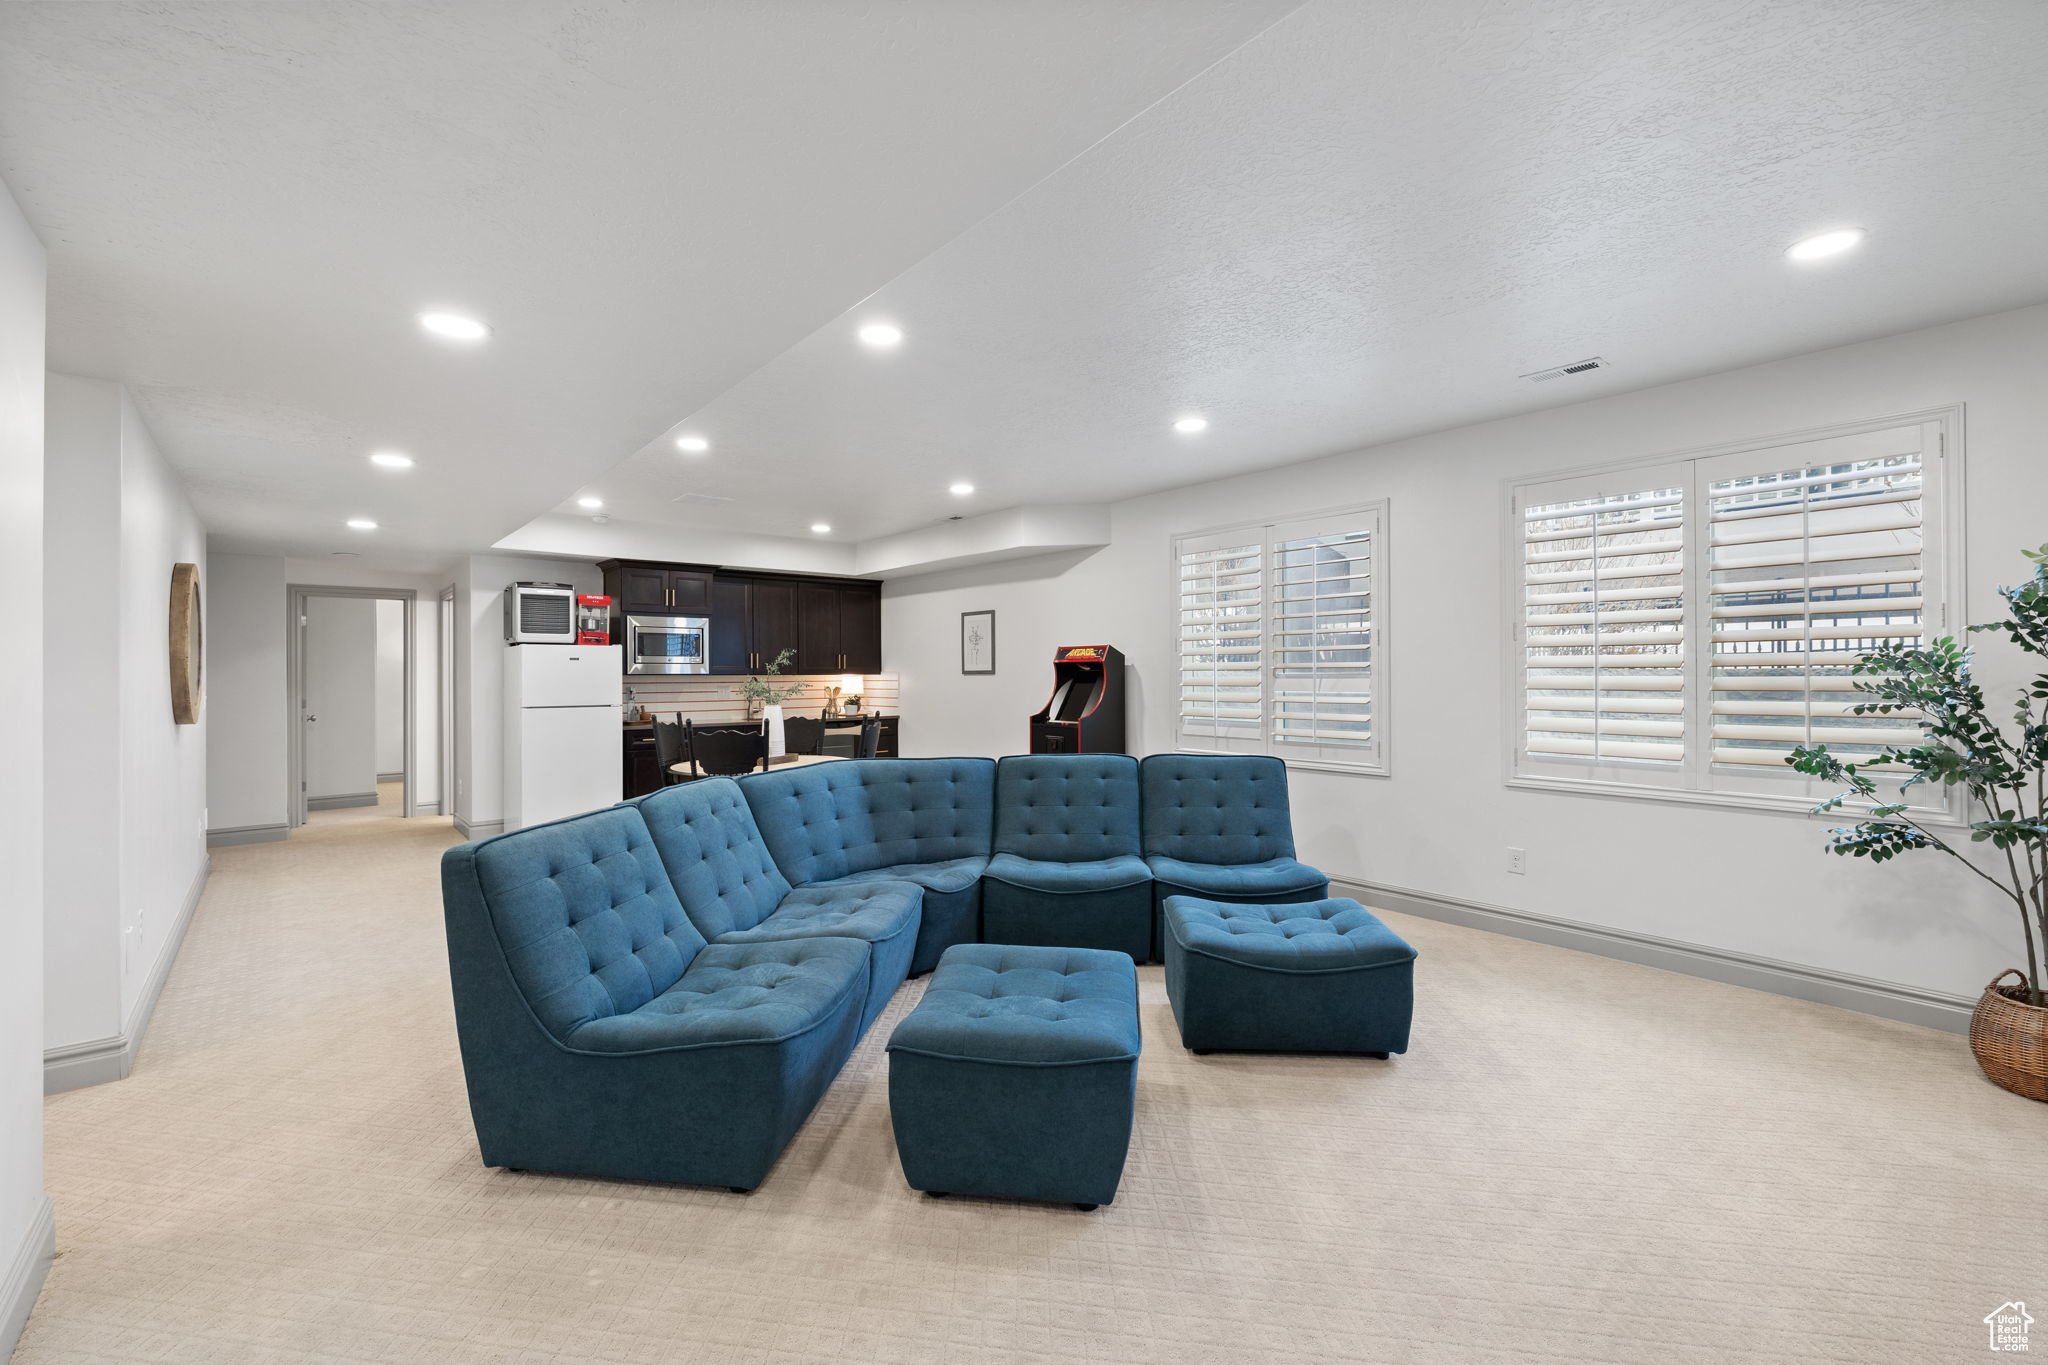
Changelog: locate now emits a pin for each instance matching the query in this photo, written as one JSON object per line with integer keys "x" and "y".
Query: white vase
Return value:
{"x": 771, "y": 726}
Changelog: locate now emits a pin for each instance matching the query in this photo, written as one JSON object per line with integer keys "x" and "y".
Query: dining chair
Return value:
{"x": 672, "y": 746}
{"x": 803, "y": 735}
{"x": 870, "y": 737}
{"x": 727, "y": 752}
{"x": 841, "y": 741}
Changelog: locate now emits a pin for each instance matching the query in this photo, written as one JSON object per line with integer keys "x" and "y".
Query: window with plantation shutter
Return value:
{"x": 1280, "y": 639}
{"x": 1683, "y": 625}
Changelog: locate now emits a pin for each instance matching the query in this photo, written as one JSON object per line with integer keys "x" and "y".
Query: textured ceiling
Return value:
{"x": 247, "y": 204}
{"x": 1372, "y": 218}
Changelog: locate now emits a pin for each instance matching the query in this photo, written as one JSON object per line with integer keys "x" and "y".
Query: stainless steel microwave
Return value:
{"x": 668, "y": 644}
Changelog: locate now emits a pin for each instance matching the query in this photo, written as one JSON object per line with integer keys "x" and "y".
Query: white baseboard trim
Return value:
{"x": 111, "y": 1059}
{"x": 391, "y": 777}
{"x": 1885, "y": 999}
{"x": 231, "y": 835}
{"x": 342, "y": 802}
{"x": 481, "y": 829}
{"x": 426, "y": 808}
{"x": 26, "y": 1270}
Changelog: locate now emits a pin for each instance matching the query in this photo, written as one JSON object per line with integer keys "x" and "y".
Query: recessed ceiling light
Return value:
{"x": 692, "y": 445}
{"x": 391, "y": 459}
{"x": 1826, "y": 244}
{"x": 590, "y": 503}
{"x": 961, "y": 490}
{"x": 1188, "y": 426}
{"x": 881, "y": 334}
{"x": 454, "y": 326}
{"x": 820, "y": 528}
{"x": 361, "y": 524}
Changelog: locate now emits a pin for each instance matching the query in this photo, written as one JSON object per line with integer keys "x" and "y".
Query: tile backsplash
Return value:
{"x": 709, "y": 700}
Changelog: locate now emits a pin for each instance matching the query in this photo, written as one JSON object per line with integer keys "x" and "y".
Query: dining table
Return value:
{"x": 776, "y": 764}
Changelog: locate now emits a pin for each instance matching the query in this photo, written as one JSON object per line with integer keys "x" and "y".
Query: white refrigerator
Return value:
{"x": 563, "y": 753}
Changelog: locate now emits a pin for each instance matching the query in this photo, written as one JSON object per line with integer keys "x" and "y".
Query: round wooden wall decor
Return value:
{"x": 186, "y": 643}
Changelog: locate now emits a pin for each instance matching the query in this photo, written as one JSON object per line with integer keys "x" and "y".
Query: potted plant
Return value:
{"x": 2002, "y": 772}
{"x": 765, "y": 699}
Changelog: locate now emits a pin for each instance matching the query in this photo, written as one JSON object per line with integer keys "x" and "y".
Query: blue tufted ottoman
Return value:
{"x": 1015, "y": 1076}
{"x": 1319, "y": 976}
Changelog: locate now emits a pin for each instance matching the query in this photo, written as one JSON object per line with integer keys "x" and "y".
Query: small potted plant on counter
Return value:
{"x": 765, "y": 698}
{"x": 2001, "y": 771}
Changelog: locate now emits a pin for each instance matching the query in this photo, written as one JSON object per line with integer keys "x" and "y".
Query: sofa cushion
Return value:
{"x": 741, "y": 993}
{"x": 1067, "y": 808}
{"x": 1316, "y": 936}
{"x": 1101, "y": 874}
{"x": 825, "y": 821}
{"x": 1274, "y": 877}
{"x": 1025, "y": 1006}
{"x": 954, "y": 874}
{"x": 869, "y": 911}
{"x": 1206, "y": 808}
{"x": 585, "y": 916}
{"x": 716, "y": 858}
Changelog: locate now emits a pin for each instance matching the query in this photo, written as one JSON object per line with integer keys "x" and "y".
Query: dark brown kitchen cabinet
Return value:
{"x": 817, "y": 628}
{"x": 731, "y": 641}
{"x": 860, "y": 627}
{"x": 642, "y": 589}
{"x": 834, "y": 625}
{"x": 642, "y": 768}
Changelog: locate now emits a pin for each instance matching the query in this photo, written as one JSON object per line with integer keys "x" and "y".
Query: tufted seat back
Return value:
{"x": 714, "y": 853}
{"x": 585, "y": 916}
{"x": 1072, "y": 808}
{"x": 1204, "y": 808}
{"x": 835, "y": 819}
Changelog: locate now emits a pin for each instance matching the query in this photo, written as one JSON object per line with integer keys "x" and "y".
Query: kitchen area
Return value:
{"x": 587, "y": 676}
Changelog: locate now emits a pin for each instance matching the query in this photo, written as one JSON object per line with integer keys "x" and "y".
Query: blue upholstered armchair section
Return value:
{"x": 601, "y": 1036}
{"x": 1218, "y": 826}
{"x": 928, "y": 821}
{"x": 1067, "y": 870}
{"x": 731, "y": 889}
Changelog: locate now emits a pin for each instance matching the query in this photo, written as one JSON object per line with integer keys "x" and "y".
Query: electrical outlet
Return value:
{"x": 1518, "y": 861}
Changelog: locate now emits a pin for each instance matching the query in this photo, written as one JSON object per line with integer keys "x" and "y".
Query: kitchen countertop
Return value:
{"x": 836, "y": 720}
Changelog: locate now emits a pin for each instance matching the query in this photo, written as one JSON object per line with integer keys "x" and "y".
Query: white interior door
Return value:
{"x": 338, "y": 710}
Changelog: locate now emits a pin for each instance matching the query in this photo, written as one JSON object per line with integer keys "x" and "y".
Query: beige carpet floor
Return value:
{"x": 1580, "y": 1161}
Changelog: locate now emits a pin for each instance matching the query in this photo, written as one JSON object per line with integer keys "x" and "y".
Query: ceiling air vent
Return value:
{"x": 701, "y": 500}
{"x": 1560, "y": 371}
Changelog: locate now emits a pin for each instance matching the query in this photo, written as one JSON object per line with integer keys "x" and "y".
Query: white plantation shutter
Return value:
{"x": 1603, "y": 627}
{"x": 1815, "y": 557}
{"x": 1222, "y": 640}
{"x": 1278, "y": 647}
{"x": 1686, "y": 625}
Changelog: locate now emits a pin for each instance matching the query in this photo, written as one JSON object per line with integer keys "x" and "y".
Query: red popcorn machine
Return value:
{"x": 1086, "y": 712}
{"x": 593, "y": 620}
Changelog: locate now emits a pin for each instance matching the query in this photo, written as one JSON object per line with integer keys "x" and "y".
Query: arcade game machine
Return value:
{"x": 1086, "y": 713}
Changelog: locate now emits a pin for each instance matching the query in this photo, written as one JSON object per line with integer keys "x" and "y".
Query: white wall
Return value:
{"x": 391, "y": 686}
{"x": 250, "y": 718}
{"x": 341, "y": 695}
{"x": 480, "y": 674}
{"x": 82, "y": 698}
{"x": 1750, "y": 882}
{"x": 24, "y": 1211}
{"x": 163, "y": 764}
{"x": 130, "y": 779}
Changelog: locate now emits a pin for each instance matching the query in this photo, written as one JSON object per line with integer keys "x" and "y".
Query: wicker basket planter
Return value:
{"x": 2010, "y": 1037}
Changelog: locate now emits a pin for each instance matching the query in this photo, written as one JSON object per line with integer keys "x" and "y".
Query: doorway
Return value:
{"x": 349, "y": 675}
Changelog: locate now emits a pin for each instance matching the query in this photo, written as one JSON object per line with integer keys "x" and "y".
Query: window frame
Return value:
{"x": 1943, "y": 551}
{"x": 1380, "y": 763}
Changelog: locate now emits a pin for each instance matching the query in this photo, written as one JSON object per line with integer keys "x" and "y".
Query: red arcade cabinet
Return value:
{"x": 1086, "y": 713}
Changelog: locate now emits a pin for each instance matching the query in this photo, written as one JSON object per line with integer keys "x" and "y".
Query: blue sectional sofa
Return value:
{"x": 663, "y": 990}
